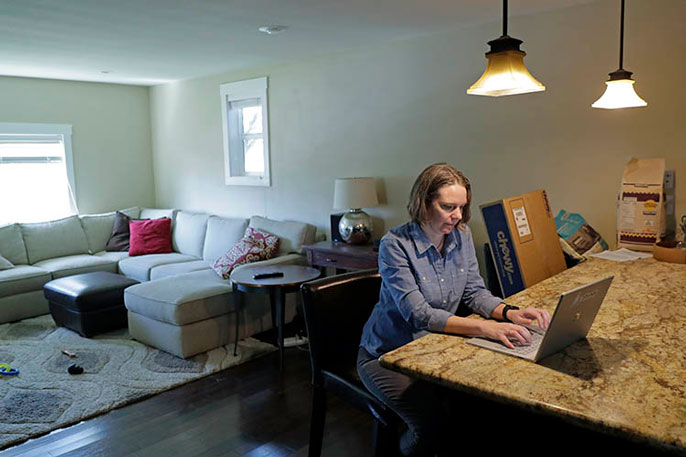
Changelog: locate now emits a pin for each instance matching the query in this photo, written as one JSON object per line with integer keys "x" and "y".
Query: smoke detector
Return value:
{"x": 272, "y": 29}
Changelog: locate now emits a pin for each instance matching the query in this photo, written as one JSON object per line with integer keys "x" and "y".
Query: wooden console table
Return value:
{"x": 626, "y": 380}
{"x": 341, "y": 256}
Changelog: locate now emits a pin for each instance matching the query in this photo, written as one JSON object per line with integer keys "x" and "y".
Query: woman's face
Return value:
{"x": 446, "y": 210}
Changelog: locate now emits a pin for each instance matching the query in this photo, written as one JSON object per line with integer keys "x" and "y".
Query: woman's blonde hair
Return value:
{"x": 426, "y": 187}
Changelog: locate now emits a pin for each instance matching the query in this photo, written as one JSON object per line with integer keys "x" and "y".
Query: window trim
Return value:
{"x": 9, "y": 128}
{"x": 241, "y": 90}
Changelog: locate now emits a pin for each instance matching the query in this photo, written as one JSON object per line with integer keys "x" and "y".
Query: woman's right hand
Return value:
{"x": 506, "y": 333}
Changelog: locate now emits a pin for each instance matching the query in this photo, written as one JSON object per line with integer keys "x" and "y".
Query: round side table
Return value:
{"x": 243, "y": 281}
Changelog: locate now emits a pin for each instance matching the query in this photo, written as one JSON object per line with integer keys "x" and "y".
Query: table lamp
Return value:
{"x": 353, "y": 194}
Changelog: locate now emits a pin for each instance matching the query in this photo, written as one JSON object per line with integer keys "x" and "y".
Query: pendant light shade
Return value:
{"x": 620, "y": 92}
{"x": 505, "y": 73}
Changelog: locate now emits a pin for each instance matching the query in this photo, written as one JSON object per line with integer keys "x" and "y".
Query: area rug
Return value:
{"x": 117, "y": 371}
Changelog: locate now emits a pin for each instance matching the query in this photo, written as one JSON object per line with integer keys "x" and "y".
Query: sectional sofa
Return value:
{"x": 181, "y": 305}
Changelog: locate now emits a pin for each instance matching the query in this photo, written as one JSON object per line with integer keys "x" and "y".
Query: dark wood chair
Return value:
{"x": 336, "y": 308}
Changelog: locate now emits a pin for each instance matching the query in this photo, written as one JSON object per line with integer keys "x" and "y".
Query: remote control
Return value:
{"x": 276, "y": 274}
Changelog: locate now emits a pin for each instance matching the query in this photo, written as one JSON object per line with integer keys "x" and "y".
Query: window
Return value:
{"x": 246, "y": 132}
{"x": 36, "y": 173}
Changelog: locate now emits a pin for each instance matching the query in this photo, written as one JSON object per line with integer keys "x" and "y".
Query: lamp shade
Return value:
{"x": 619, "y": 94}
{"x": 505, "y": 74}
{"x": 352, "y": 193}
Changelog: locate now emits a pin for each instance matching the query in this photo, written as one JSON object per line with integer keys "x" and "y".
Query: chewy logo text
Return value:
{"x": 505, "y": 252}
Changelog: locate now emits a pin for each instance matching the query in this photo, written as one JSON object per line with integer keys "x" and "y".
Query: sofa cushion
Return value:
{"x": 155, "y": 213}
{"x": 150, "y": 237}
{"x": 114, "y": 256}
{"x": 98, "y": 228}
{"x": 182, "y": 340}
{"x": 181, "y": 299}
{"x": 134, "y": 212}
{"x": 23, "y": 278}
{"x": 222, "y": 234}
{"x": 174, "y": 269}
{"x": 5, "y": 264}
{"x": 60, "y": 267}
{"x": 253, "y": 247}
{"x": 139, "y": 267}
{"x": 47, "y": 240}
{"x": 20, "y": 306}
{"x": 292, "y": 235}
{"x": 189, "y": 233}
{"x": 12, "y": 244}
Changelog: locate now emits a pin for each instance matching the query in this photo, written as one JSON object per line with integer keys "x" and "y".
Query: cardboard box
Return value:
{"x": 523, "y": 239}
{"x": 641, "y": 215}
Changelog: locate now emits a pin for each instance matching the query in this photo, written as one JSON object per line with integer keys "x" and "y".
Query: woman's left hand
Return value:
{"x": 527, "y": 315}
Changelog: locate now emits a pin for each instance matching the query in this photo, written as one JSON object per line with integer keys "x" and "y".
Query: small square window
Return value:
{"x": 245, "y": 128}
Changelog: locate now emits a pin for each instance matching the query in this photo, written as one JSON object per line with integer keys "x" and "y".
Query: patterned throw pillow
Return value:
{"x": 254, "y": 246}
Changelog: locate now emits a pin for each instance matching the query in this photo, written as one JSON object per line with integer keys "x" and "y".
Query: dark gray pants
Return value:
{"x": 419, "y": 404}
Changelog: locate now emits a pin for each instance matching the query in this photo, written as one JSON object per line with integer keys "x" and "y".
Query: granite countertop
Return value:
{"x": 627, "y": 378}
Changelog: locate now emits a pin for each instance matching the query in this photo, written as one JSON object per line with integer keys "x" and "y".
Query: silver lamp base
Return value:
{"x": 355, "y": 227}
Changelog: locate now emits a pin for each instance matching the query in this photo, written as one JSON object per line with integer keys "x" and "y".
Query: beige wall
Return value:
{"x": 389, "y": 111}
{"x": 110, "y": 135}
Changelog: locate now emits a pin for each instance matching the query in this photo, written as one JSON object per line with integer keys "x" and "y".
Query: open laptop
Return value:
{"x": 571, "y": 321}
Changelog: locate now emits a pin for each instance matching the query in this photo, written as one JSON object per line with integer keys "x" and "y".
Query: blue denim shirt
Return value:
{"x": 421, "y": 289}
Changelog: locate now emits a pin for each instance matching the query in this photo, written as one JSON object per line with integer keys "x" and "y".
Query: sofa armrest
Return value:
{"x": 288, "y": 259}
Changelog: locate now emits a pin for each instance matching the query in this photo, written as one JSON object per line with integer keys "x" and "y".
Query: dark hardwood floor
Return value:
{"x": 252, "y": 411}
{"x": 248, "y": 410}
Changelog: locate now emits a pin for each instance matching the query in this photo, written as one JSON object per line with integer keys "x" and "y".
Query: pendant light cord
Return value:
{"x": 621, "y": 40}
{"x": 505, "y": 16}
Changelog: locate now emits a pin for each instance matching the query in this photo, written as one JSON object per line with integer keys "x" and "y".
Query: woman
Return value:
{"x": 429, "y": 268}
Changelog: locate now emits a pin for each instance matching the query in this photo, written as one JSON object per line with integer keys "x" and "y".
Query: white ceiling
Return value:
{"x": 150, "y": 42}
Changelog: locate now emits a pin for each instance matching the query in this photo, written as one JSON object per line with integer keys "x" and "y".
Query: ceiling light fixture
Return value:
{"x": 506, "y": 73}
{"x": 272, "y": 29}
{"x": 620, "y": 91}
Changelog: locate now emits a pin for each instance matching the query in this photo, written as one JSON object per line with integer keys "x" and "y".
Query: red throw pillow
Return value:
{"x": 255, "y": 245}
{"x": 150, "y": 237}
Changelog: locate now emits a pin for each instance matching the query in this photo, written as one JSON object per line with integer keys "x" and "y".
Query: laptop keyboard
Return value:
{"x": 527, "y": 351}
{"x": 531, "y": 348}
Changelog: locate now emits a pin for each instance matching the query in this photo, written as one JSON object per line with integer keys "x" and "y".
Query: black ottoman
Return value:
{"x": 88, "y": 303}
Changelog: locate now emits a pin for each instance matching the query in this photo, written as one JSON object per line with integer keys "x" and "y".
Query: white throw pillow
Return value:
{"x": 12, "y": 245}
{"x": 5, "y": 264}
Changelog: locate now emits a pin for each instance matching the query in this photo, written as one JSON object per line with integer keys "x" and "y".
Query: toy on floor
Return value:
{"x": 6, "y": 370}
{"x": 75, "y": 369}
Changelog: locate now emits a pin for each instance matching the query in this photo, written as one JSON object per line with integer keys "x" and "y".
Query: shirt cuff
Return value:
{"x": 438, "y": 320}
{"x": 487, "y": 306}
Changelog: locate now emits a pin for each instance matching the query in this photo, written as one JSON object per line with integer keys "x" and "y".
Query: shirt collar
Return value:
{"x": 423, "y": 244}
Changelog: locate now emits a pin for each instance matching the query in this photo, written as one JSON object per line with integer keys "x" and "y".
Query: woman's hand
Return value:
{"x": 506, "y": 333}
{"x": 527, "y": 315}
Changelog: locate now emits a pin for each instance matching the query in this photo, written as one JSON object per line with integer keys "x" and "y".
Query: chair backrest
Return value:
{"x": 336, "y": 309}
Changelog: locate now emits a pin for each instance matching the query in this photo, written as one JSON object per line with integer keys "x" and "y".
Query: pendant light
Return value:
{"x": 506, "y": 73}
{"x": 620, "y": 91}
